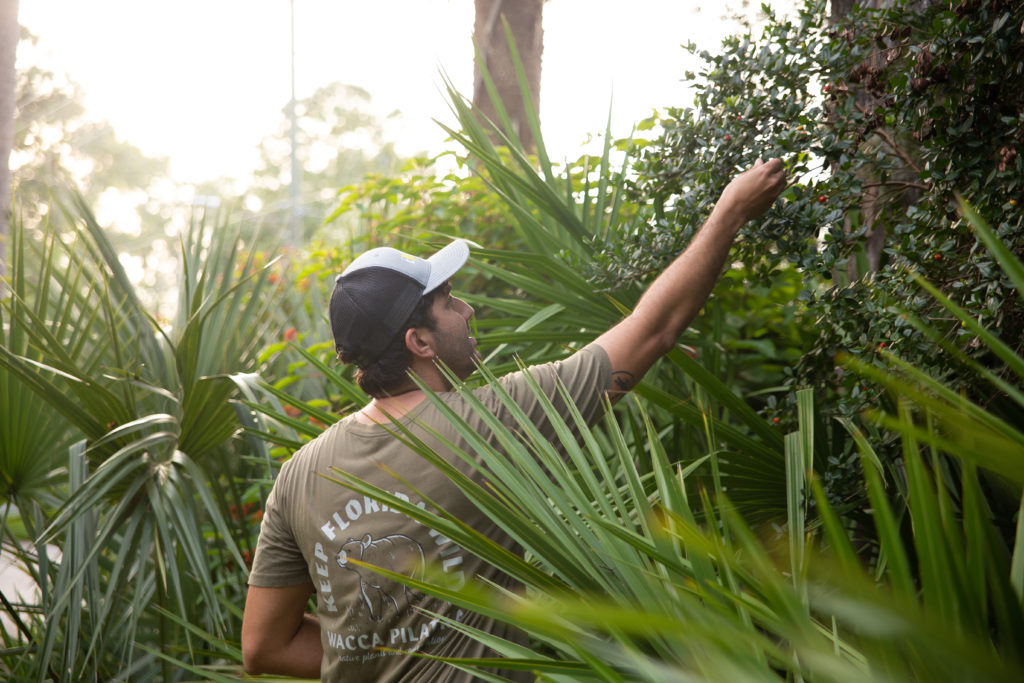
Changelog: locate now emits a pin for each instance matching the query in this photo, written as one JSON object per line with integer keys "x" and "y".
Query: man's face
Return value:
{"x": 453, "y": 344}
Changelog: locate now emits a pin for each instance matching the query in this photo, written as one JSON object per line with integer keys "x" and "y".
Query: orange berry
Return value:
{"x": 290, "y": 334}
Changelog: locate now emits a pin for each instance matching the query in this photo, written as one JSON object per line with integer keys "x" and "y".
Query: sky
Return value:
{"x": 203, "y": 81}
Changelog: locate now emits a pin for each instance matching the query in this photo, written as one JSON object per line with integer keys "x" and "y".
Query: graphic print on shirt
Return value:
{"x": 397, "y": 553}
{"x": 375, "y": 612}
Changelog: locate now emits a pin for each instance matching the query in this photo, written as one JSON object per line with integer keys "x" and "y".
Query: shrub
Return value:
{"x": 883, "y": 119}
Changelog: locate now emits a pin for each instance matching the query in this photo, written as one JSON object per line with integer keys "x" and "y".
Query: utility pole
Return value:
{"x": 292, "y": 232}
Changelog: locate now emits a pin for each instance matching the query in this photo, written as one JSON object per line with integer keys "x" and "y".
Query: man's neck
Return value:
{"x": 383, "y": 408}
{"x": 400, "y": 401}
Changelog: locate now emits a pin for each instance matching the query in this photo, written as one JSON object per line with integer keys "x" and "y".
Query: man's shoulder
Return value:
{"x": 584, "y": 375}
{"x": 587, "y": 365}
{"x": 307, "y": 455}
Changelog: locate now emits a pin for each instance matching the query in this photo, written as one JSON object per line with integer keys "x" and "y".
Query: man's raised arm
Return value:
{"x": 677, "y": 295}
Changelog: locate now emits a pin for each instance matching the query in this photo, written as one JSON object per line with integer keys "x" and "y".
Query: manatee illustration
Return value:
{"x": 396, "y": 553}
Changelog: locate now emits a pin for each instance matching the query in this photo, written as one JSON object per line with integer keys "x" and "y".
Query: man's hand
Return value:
{"x": 750, "y": 193}
{"x": 677, "y": 295}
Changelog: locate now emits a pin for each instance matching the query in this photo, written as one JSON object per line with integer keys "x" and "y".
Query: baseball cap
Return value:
{"x": 376, "y": 294}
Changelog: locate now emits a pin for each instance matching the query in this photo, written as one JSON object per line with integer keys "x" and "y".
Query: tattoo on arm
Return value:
{"x": 624, "y": 380}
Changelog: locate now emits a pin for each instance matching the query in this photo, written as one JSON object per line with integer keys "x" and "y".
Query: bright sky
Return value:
{"x": 203, "y": 81}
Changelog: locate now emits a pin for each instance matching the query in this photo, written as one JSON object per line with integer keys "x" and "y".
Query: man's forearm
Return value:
{"x": 674, "y": 299}
{"x": 278, "y": 637}
{"x": 677, "y": 295}
{"x": 300, "y": 657}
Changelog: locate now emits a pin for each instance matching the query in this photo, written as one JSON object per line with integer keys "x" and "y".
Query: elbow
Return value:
{"x": 251, "y": 664}
{"x": 661, "y": 344}
{"x": 252, "y": 661}
{"x": 652, "y": 339}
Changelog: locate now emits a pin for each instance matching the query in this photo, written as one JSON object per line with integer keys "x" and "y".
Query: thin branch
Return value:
{"x": 884, "y": 134}
{"x": 898, "y": 183}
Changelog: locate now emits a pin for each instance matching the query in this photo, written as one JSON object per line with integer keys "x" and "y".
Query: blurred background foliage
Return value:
{"x": 822, "y": 482}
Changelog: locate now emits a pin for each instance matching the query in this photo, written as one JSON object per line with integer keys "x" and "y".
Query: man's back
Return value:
{"x": 316, "y": 529}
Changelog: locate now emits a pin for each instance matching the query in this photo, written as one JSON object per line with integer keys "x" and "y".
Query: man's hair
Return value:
{"x": 390, "y": 371}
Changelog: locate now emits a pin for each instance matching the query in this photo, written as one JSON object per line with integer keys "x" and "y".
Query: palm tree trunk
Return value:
{"x": 524, "y": 19}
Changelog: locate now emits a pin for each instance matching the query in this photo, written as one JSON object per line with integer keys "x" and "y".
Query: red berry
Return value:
{"x": 881, "y": 345}
{"x": 822, "y": 199}
{"x": 937, "y": 257}
{"x": 827, "y": 88}
{"x": 290, "y": 334}
{"x": 775, "y": 420}
{"x": 727, "y": 138}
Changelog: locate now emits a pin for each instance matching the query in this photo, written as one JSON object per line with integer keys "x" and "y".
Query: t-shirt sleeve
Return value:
{"x": 278, "y": 560}
{"x": 585, "y": 375}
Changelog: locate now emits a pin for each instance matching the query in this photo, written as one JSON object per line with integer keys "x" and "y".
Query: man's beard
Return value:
{"x": 457, "y": 352}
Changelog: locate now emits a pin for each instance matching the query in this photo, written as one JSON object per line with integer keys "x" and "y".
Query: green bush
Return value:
{"x": 882, "y": 119}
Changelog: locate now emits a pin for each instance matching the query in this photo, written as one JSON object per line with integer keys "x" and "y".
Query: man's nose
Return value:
{"x": 467, "y": 310}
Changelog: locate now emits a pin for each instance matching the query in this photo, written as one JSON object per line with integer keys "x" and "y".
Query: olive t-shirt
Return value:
{"x": 312, "y": 527}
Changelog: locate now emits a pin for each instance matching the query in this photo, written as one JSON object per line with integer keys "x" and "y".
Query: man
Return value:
{"x": 393, "y": 314}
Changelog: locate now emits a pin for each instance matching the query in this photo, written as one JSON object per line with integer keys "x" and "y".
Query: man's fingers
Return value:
{"x": 758, "y": 163}
{"x": 776, "y": 168}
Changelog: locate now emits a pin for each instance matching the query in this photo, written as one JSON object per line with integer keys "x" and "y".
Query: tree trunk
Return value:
{"x": 9, "y": 34}
{"x": 870, "y": 201}
{"x": 524, "y": 18}
{"x": 840, "y": 8}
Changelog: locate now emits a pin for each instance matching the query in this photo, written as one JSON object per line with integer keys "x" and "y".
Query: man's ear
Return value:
{"x": 420, "y": 342}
